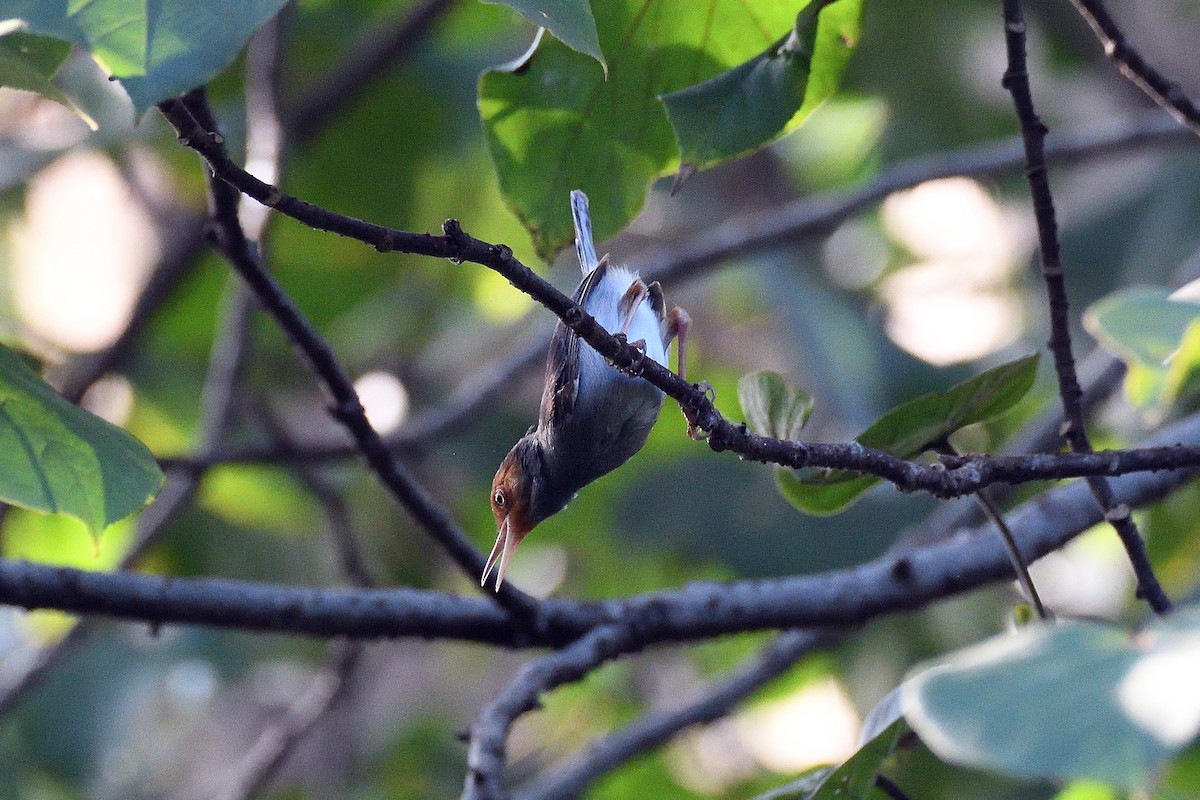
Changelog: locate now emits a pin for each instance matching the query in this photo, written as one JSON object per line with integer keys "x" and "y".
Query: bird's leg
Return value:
{"x": 627, "y": 306}
{"x": 675, "y": 326}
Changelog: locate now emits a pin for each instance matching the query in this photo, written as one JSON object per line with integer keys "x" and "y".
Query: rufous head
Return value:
{"x": 512, "y": 503}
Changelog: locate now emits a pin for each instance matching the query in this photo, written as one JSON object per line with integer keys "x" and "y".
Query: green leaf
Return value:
{"x": 772, "y": 406}
{"x": 821, "y": 492}
{"x": 570, "y": 21}
{"x": 555, "y": 123}
{"x": 1142, "y": 324}
{"x": 28, "y": 62}
{"x": 769, "y": 95}
{"x": 56, "y": 457}
{"x": 1075, "y": 701}
{"x": 852, "y": 780}
{"x": 909, "y": 430}
{"x": 157, "y": 50}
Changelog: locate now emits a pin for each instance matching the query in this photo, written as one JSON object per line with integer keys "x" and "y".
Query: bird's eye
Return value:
{"x": 500, "y": 499}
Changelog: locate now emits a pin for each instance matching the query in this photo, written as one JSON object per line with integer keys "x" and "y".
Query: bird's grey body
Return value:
{"x": 593, "y": 417}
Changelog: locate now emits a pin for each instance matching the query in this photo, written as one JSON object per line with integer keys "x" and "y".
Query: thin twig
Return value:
{"x": 486, "y": 751}
{"x": 993, "y": 514}
{"x": 1016, "y": 80}
{"x": 1162, "y": 90}
{"x": 1014, "y": 555}
{"x": 570, "y": 779}
{"x": 264, "y": 758}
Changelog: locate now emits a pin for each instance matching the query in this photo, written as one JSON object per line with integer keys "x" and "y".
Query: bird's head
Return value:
{"x": 514, "y": 500}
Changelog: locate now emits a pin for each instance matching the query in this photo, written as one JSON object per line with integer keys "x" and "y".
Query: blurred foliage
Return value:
{"x": 1077, "y": 700}
{"x": 118, "y": 717}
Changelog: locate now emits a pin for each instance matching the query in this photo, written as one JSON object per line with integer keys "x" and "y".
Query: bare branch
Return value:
{"x": 1159, "y": 88}
{"x": 486, "y": 753}
{"x": 887, "y": 585}
{"x": 345, "y": 406}
{"x": 458, "y": 246}
{"x": 1016, "y": 80}
{"x": 568, "y": 780}
{"x": 703, "y": 250}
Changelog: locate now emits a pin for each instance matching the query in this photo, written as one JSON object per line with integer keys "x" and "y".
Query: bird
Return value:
{"x": 593, "y": 417}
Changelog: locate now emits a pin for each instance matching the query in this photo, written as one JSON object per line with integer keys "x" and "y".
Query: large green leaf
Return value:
{"x": 769, "y": 95}
{"x": 1079, "y": 700}
{"x": 1155, "y": 332}
{"x": 569, "y": 20}
{"x": 772, "y": 406}
{"x": 555, "y": 123}
{"x": 852, "y": 780}
{"x": 1143, "y": 323}
{"x": 156, "y": 49}
{"x": 910, "y": 429}
{"x": 56, "y": 457}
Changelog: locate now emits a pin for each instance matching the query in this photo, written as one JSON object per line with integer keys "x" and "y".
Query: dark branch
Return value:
{"x": 703, "y": 250}
{"x": 1016, "y": 80}
{"x": 887, "y": 585}
{"x": 1161, "y": 89}
{"x": 486, "y": 753}
{"x": 570, "y": 779}
{"x": 345, "y": 406}
{"x": 458, "y": 246}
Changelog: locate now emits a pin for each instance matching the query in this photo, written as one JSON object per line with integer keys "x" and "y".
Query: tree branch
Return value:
{"x": 569, "y": 779}
{"x": 1016, "y": 80}
{"x": 486, "y": 752}
{"x": 887, "y": 585}
{"x": 1162, "y": 90}
{"x": 458, "y": 246}
{"x": 702, "y": 250}
{"x": 345, "y": 406}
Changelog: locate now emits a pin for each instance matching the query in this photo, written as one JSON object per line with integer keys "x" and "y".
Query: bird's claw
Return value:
{"x": 693, "y": 430}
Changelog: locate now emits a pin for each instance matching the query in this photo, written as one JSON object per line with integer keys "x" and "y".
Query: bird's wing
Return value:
{"x": 562, "y": 362}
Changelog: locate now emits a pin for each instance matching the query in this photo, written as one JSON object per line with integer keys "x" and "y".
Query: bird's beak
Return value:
{"x": 506, "y": 543}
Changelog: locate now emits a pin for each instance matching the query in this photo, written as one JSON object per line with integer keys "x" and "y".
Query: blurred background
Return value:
{"x": 911, "y": 295}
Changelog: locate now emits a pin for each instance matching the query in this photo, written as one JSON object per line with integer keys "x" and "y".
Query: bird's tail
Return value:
{"x": 584, "y": 246}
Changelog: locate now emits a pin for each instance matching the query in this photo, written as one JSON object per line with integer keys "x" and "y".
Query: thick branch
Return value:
{"x": 886, "y": 585}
